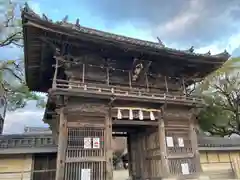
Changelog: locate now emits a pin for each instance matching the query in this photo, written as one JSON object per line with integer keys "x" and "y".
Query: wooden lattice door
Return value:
{"x": 85, "y": 154}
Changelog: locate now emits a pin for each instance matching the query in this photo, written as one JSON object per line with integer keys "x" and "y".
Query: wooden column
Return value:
{"x": 166, "y": 83}
{"x": 184, "y": 87}
{"x": 162, "y": 143}
{"x": 62, "y": 145}
{"x": 129, "y": 154}
{"x": 138, "y": 156}
{"x": 133, "y": 155}
{"x": 143, "y": 155}
{"x": 54, "y": 84}
{"x": 194, "y": 142}
{"x": 108, "y": 145}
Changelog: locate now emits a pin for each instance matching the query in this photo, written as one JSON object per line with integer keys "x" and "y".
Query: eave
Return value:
{"x": 34, "y": 23}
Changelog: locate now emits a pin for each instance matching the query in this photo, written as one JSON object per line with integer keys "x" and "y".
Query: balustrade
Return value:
{"x": 124, "y": 92}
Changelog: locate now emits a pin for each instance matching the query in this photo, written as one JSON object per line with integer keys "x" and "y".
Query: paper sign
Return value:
{"x": 87, "y": 143}
{"x": 169, "y": 142}
{"x": 185, "y": 168}
{"x": 180, "y": 142}
{"x": 85, "y": 174}
{"x": 96, "y": 143}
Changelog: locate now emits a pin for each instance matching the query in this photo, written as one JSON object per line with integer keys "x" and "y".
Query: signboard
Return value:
{"x": 185, "y": 168}
{"x": 96, "y": 143}
{"x": 180, "y": 142}
{"x": 85, "y": 174}
{"x": 169, "y": 142}
{"x": 87, "y": 143}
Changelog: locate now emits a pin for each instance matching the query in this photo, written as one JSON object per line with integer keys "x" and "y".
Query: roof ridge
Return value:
{"x": 27, "y": 11}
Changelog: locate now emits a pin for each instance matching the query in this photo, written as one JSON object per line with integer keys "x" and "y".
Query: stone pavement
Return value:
{"x": 120, "y": 175}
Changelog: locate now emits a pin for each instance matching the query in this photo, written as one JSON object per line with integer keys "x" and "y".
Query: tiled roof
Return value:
{"x": 29, "y": 13}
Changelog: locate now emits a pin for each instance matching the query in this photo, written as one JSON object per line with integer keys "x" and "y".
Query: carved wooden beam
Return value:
{"x": 144, "y": 72}
{"x": 136, "y": 69}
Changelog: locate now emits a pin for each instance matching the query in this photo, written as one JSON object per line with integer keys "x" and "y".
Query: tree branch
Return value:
{"x": 11, "y": 39}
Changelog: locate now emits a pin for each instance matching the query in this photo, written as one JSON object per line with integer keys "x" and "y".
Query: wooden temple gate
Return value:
{"x": 99, "y": 83}
{"x": 160, "y": 141}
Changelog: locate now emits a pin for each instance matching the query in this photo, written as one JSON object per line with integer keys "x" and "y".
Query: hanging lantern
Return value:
{"x": 119, "y": 114}
{"x": 130, "y": 114}
{"x": 152, "y": 117}
{"x": 140, "y": 114}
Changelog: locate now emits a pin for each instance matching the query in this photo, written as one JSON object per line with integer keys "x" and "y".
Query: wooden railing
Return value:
{"x": 124, "y": 92}
{"x": 21, "y": 141}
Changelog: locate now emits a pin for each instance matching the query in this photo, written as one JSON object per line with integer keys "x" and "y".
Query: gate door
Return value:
{"x": 85, "y": 154}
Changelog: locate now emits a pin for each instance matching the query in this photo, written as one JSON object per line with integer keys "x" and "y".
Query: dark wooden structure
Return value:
{"x": 44, "y": 152}
{"x": 101, "y": 84}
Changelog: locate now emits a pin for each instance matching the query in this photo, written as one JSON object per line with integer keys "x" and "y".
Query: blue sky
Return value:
{"x": 207, "y": 25}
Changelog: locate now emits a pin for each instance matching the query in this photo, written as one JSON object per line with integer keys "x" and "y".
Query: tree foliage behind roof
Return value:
{"x": 221, "y": 91}
{"x": 12, "y": 80}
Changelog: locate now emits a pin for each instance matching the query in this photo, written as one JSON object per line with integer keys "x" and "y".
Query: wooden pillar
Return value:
{"x": 162, "y": 143}
{"x": 138, "y": 156}
{"x": 108, "y": 78}
{"x": 108, "y": 145}
{"x": 184, "y": 87}
{"x": 143, "y": 155}
{"x": 130, "y": 79}
{"x": 62, "y": 145}
{"x": 147, "y": 83}
{"x": 54, "y": 84}
{"x": 166, "y": 83}
{"x": 194, "y": 142}
{"x": 83, "y": 74}
{"x": 133, "y": 156}
{"x": 129, "y": 153}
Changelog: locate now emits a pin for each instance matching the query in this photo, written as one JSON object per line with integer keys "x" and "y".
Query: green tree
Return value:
{"x": 221, "y": 92}
{"x": 117, "y": 158}
{"x": 12, "y": 80}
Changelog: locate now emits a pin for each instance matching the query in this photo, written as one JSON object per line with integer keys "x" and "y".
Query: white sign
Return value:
{"x": 169, "y": 142}
{"x": 180, "y": 142}
{"x": 87, "y": 143}
{"x": 96, "y": 143}
{"x": 185, "y": 168}
{"x": 85, "y": 174}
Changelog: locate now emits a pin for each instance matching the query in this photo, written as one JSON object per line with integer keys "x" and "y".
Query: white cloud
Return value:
{"x": 229, "y": 44}
{"x": 177, "y": 26}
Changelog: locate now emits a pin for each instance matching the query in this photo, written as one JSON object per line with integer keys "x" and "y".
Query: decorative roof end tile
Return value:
{"x": 44, "y": 17}
{"x": 160, "y": 42}
{"x": 77, "y": 24}
{"x": 208, "y": 53}
{"x": 223, "y": 55}
{"x": 190, "y": 50}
